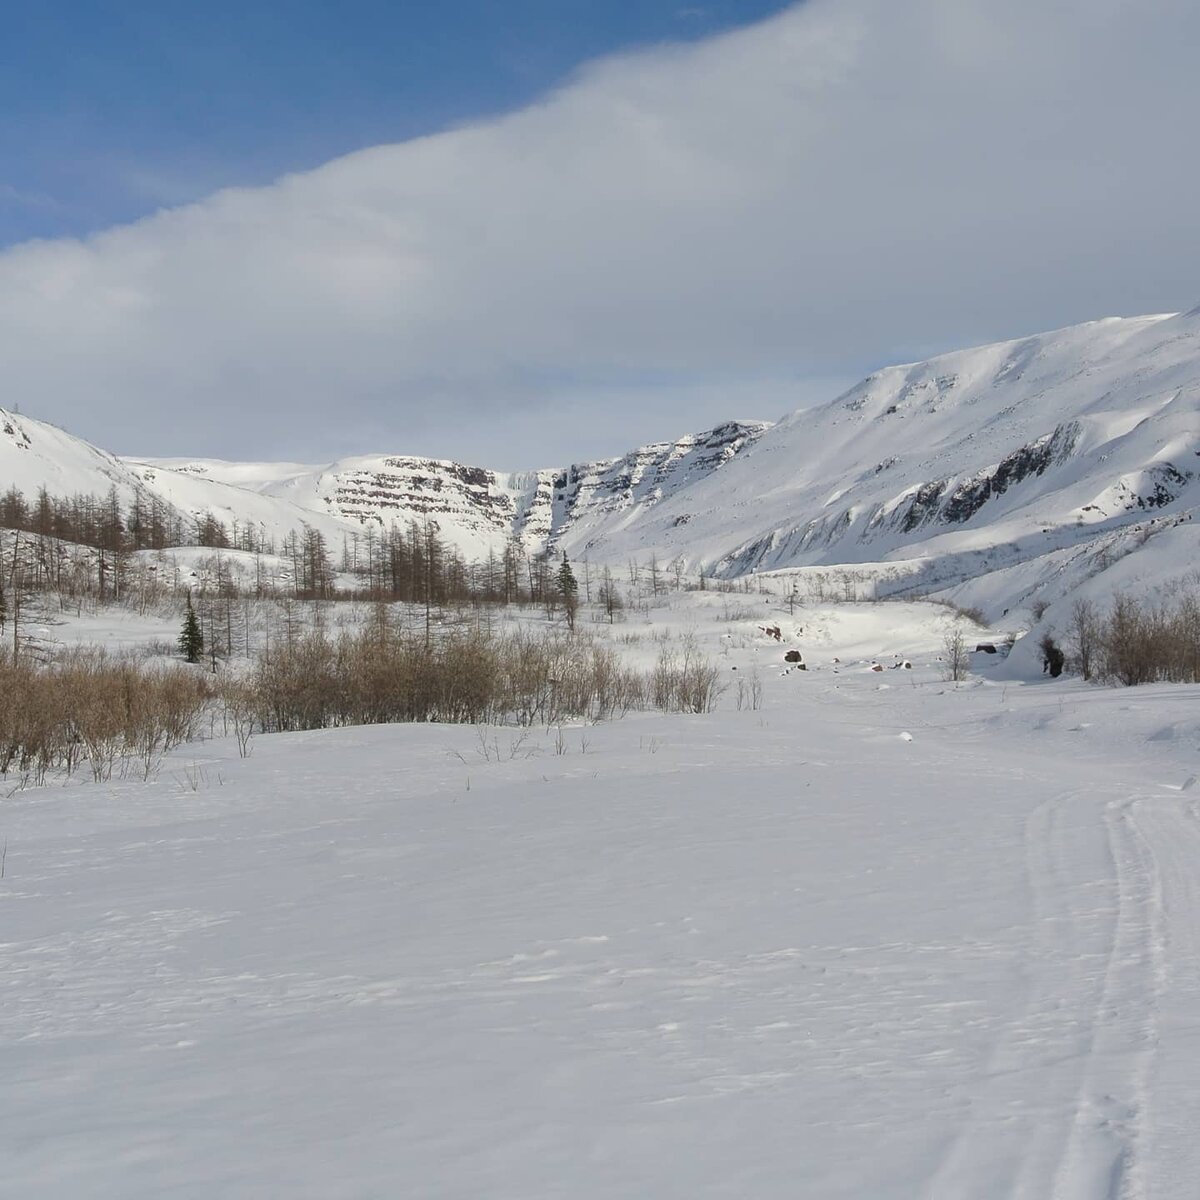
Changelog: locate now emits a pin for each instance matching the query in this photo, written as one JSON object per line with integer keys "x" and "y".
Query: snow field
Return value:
{"x": 784, "y": 952}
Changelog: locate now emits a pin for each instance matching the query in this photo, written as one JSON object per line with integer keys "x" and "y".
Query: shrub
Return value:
{"x": 1144, "y": 643}
{"x": 89, "y": 706}
{"x": 383, "y": 674}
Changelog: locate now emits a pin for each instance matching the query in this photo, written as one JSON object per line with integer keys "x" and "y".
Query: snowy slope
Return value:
{"x": 870, "y": 941}
{"x": 34, "y": 454}
{"x": 273, "y": 516}
{"x": 257, "y": 476}
{"x": 474, "y": 508}
{"x": 1080, "y": 431}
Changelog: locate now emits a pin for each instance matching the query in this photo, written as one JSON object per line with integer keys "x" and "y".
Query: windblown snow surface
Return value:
{"x": 884, "y": 937}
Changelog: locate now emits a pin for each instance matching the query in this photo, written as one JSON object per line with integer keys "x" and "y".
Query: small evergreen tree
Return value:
{"x": 191, "y": 640}
{"x": 1053, "y": 659}
{"x": 568, "y": 589}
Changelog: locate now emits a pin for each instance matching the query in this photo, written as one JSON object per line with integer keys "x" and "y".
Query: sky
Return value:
{"x": 548, "y": 230}
{"x": 109, "y": 111}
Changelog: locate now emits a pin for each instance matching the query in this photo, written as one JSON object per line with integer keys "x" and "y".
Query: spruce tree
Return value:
{"x": 191, "y": 640}
{"x": 569, "y": 590}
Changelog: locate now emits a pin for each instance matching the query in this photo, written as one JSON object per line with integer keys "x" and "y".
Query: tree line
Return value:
{"x": 104, "y": 523}
{"x": 83, "y": 545}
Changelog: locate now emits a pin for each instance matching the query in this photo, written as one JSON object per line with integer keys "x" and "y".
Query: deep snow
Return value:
{"x": 883, "y": 937}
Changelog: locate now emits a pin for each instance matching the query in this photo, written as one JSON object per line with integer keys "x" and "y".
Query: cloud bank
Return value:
{"x": 729, "y": 228}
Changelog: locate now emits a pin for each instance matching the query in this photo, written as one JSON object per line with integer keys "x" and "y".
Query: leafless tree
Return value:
{"x": 954, "y": 655}
{"x": 1085, "y": 633}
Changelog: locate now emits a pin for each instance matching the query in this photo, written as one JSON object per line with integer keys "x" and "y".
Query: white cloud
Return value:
{"x": 807, "y": 198}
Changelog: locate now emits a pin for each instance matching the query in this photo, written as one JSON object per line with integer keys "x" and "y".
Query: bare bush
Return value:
{"x": 1145, "y": 643}
{"x": 89, "y": 706}
{"x": 954, "y": 655}
{"x": 749, "y": 690}
{"x": 1085, "y": 636}
{"x": 684, "y": 682}
{"x": 972, "y": 613}
{"x": 116, "y": 715}
{"x": 466, "y": 675}
{"x": 240, "y": 707}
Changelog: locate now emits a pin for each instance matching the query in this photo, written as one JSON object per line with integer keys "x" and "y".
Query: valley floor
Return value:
{"x": 883, "y": 937}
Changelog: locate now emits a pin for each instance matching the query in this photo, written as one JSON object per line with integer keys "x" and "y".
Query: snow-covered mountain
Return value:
{"x": 1081, "y": 430}
{"x": 1037, "y": 463}
{"x": 477, "y": 509}
{"x": 1046, "y": 457}
{"x": 36, "y": 455}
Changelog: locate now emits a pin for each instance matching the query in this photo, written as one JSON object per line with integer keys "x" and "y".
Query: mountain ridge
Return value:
{"x": 987, "y": 457}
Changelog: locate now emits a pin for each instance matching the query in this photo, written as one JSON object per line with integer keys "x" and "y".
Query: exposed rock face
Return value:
{"x": 955, "y": 502}
{"x": 471, "y": 500}
{"x": 968, "y": 498}
{"x": 13, "y": 430}
{"x": 586, "y": 493}
{"x": 1164, "y": 484}
{"x": 480, "y": 508}
{"x": 924, "y": 505}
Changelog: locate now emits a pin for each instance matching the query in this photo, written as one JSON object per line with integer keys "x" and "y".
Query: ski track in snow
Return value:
{"x": 1169, "y": 1163}
{"x": 1106, "y": 956}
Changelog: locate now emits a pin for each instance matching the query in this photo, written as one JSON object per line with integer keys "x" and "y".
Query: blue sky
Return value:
{"x": 624, "y": 222}
{"x": 112, "y": 110}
